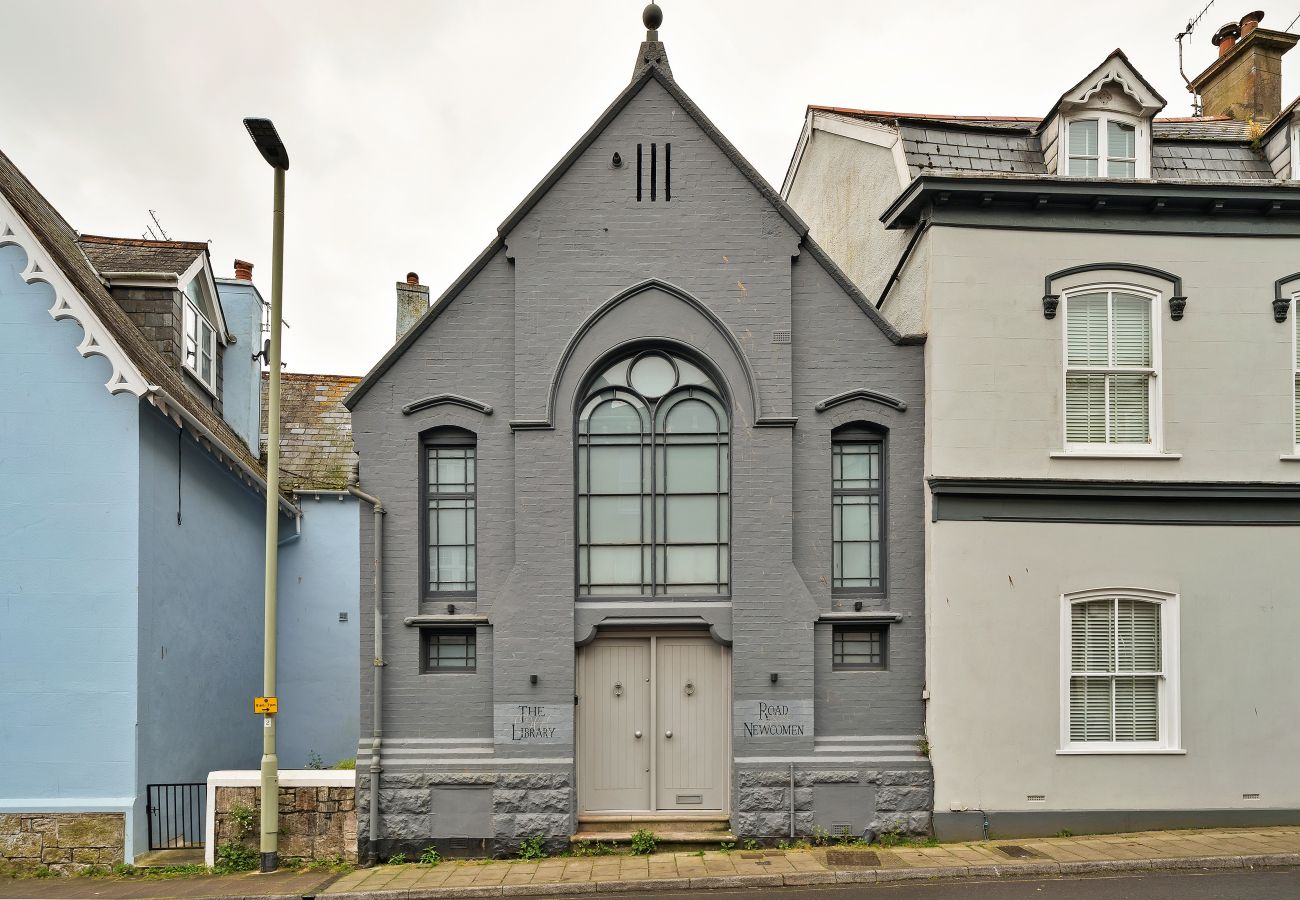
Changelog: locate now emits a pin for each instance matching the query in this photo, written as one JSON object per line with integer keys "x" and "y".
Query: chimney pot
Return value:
{"x": 1226, "y": 38}
{"x": 243, "y": 270}
{"x": 412, "y": 278}
{"x": 1250, "y": 21}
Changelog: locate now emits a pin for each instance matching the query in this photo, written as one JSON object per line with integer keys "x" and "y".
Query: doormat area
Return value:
{"x": 837, "y": 858}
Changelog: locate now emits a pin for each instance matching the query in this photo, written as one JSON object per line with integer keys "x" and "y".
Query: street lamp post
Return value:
{"x": 268, "y": 142}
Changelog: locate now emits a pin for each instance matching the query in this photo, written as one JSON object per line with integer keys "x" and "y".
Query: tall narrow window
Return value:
{"x": 450, "y": 489}
{"x": 1120, "y": 679}
{"x": 857, "y": 507}
{"x": 653, "y": 495}
{"x": 1110, "y": 370}
{"x": 200, "y": 344}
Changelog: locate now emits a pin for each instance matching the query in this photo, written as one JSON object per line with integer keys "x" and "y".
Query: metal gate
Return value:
{"x": 175, "y": 813}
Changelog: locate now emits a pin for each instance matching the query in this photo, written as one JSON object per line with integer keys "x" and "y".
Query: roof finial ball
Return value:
{"x": 653, "y": 17}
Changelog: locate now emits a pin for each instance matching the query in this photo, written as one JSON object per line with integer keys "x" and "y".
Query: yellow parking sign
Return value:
{"x": 266, "y": 705}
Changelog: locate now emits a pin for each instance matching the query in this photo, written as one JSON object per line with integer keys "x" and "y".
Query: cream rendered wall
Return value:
{"x": 994, "y": 655}
{"x": 994, "y": 381}
{"x": 841, "y": 188}
{"x": 993, "y": 362}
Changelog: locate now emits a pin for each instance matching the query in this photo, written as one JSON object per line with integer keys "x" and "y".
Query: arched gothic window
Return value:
{"x": 653, "y": 480}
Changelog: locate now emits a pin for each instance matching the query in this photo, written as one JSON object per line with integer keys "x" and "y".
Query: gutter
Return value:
{"x": 169, "y": 406}
{"x": 377, "y": 700}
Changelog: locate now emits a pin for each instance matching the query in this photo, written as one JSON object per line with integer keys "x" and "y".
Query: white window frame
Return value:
{"x": 1295, "y": 373}
{"x": 1141, "y": 144}
{"x": 194, "y": 313}
{"x": 1295, "y": 152}
{"x": 1170, "y": 741}
{"x": 1155, "y": 445}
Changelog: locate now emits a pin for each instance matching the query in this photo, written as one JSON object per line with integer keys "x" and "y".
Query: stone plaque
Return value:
{"x": 773, "y": 721}
{"x": 518, "y": 724}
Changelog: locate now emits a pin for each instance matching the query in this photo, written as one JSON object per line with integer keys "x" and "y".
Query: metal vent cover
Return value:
{"x": 781, "y": 336}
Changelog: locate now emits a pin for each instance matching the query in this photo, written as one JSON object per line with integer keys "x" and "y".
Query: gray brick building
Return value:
{"x": 652, "y": 553}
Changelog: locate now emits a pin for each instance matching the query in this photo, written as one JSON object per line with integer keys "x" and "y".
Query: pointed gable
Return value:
{"x": 654, "y": 85}
{"x": 1102, "y": 126}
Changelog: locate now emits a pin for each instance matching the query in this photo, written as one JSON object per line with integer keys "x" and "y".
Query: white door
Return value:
{"x": 653, "y": 725}
{"x": 691, "y": 676}
{"x": 614, "y": 725}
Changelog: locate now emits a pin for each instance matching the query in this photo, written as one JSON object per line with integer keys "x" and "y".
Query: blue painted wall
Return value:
{"x": 319, "y": 578}
{"x": 241, "y": 375}
{"x": 68, "y": 561}
{"x": 200, "y": 658}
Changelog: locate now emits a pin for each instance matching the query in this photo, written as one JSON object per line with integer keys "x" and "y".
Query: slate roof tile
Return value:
{"x": 316, "y": 450}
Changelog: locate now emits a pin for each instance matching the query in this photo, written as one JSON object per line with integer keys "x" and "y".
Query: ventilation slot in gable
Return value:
{"x": 653, "y": 174}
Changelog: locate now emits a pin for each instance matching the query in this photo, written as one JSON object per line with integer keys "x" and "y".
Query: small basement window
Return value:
{"x": 859, "y": 647}
{"x": 448, "y": 650}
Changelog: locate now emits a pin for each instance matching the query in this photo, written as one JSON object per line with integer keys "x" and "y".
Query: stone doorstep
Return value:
{"x": 792, "y": 879}
{"x": 661, "y": 837}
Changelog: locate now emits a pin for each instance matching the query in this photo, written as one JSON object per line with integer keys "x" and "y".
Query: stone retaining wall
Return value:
{"x": 316, "y": 823}
{"x": 64, "y": 842}
{"x": 762, "y": 802}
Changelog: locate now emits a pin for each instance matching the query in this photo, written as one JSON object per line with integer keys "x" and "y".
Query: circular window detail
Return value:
{"x": 652, "y": 375}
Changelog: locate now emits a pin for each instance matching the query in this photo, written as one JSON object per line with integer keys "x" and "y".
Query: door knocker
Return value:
{"x": 690, "y": 688}
{"x": 618, "y": 689}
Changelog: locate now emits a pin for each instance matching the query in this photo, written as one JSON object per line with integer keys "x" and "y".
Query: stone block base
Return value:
{"x": 831, "y": 799}
{"x": 63, "y": 842}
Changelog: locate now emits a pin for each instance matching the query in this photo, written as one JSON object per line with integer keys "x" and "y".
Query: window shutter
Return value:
{"x": 1130, "y": 409}
{"x": 1137, "y": 708}
{"x": 1132, "y": 330}
{"x": 1085, "y": 327}
{"x": 1137, "y": 628}
{"x": 1083, "y": 147}
{"x": 1091, "y": 633}
{"x": 1090, "y": 709}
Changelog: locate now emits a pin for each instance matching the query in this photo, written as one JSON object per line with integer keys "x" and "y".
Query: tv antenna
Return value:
{"x": 1191, "y": 26}
{"x": 149, "y": 229}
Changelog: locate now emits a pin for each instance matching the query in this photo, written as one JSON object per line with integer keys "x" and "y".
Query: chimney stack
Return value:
{"x": 412, "y": 301}
{"x": 243, "y": 270}
{"x": 1245, "y": 82}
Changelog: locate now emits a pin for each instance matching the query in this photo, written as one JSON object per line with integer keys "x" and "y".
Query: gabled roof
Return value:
{"x": 657, "y": 71}
{"x": 1117, "y": 68}
{"x": 116, "y": 255}
{"x": 162, "y": 385}
{"x": 316, "y": 451}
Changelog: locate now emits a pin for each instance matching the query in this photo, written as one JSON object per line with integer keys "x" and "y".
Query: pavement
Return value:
{"x": 815, "y": 872}
{"x": 1235, "y": 848}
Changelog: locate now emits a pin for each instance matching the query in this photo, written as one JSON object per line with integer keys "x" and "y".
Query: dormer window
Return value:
{"x": 1090, "y": 158}
{"x": 200, "y": 339}
{"x": 1101, "y": 127}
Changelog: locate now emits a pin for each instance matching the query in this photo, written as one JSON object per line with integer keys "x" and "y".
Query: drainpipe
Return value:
{"x": 902, "y": 261}
{"x": 377, "y": 732}
{"x": 792, "y": 829}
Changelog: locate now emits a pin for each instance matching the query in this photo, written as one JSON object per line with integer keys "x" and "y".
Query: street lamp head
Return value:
{"x": 267, "y": 139}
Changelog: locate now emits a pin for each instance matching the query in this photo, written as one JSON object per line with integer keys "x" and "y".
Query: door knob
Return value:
{"x": 668, "y": 734}
{"x": 637, "y": 735}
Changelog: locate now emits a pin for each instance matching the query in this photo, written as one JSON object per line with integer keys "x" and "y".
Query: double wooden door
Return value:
{"x": 653, "y": 724}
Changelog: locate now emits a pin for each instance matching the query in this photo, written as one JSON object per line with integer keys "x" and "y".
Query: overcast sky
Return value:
{"x": 415, "y": 127}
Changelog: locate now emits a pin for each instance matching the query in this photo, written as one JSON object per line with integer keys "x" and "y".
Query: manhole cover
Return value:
{"x": 852, "y": 858}
{"x": 1015, "y": 851}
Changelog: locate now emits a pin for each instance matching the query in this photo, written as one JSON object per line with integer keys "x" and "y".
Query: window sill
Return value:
{"x": 1290, "y": 457}
{"x": 1123, "y": 751}
{"x": 434, "y": 621}
{"x": 1101, "y": 454}
{"x": 194, "y": 376}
